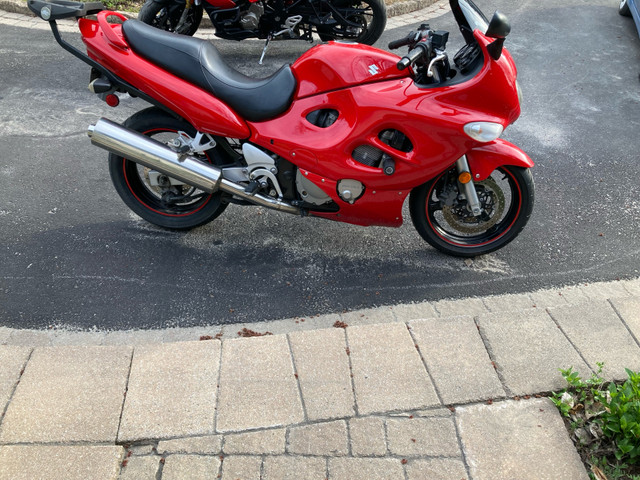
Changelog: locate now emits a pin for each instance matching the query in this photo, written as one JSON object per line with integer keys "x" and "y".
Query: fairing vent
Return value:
{"x": 323, "y": 118}
{"x": 368, "y": 155}
{"x": 396, "y": 139}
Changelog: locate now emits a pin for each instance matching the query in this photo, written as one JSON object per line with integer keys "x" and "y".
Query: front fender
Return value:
{"x": 484, "y": 159}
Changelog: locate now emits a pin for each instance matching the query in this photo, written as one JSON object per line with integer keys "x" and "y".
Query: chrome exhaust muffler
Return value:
{"x": 141, "y": 149}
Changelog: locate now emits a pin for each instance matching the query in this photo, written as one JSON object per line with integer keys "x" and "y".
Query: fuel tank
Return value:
{"x": 338, "y": 65}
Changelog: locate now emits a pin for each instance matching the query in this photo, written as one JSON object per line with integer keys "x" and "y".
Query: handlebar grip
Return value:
{"x": 402, "y": 42}
{"x": 420, "y": 50}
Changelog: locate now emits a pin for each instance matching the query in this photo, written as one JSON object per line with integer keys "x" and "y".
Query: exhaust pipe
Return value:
{"x": 141, "y": 149}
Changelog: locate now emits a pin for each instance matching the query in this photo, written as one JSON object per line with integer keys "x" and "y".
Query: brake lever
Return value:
{"x": 436, "y": 59}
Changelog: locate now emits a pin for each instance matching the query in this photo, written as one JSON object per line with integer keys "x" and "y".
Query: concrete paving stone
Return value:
{"x": 172, "y": 391}
{"x": 508, "y": 303}
{"x": 78, "y": 462}
{"x": 436, "y": 469}
{"x": 365, "y": 469}
{"x": 279, "y": 327}
{"x": 322, "y": 366}
{"x": 327, "y": 438}
{"x": 12, "y": 360}
{"x": 422, "y": 436}
{"x": 77, "y": 338}
{"x": 632, "y": 286}
{"x": 190, "y": 467}
{"x": 433, "y": 412}
{"x": 256, "y": 443}
{"x": 5, "y": 333}
{"x": 240, "y": 467}
{"x": 30, "y": 338}
{"x": 133, "y": 337}
{"x": 367, "y": 436}
{"x": 258, "y": 388}
{"x": 573, "y": 294}
{"x": 547, "y": 298}
{"x": 190, "y": 334}
{"x": 455, "y": 308}
{"x": 524, "y": 440}
{"x": 414, "y": 311}
{"x": 68, "y": 394}
{"x": 599, "y": 334}
{"x": 604, "y": 290}
{"x": 457, "y": 359}
{"x": 140, "y": 468}
{"x": 528, "y": 349}
{"x": 388, "y": 379}
{"x": 294, "y": 468}
{"x": 204, "y": 445}
{"x": 629, "y": 310}
{"x": 142, "y": 449}
{"x": 368, "y": 316}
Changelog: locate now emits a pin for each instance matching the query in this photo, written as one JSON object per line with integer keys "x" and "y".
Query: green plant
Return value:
{"x": 604, "y": 422}
{"x": 621, "y": 418}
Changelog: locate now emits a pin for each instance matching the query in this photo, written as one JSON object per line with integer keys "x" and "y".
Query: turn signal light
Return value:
{"x": 483, "y": 131}
{"x": 464, "y": 177}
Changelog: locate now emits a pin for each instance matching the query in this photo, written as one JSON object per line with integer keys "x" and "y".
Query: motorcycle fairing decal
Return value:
{"x": 484, "y": 159}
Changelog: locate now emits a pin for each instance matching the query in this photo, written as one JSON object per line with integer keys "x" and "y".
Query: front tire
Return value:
{"x": 443, "y": 219}
{"x": 166, "y": 17}
{"x": 623, "y": 9}
{"x": 370, "y": 14}
{"x": 178, "y": 207}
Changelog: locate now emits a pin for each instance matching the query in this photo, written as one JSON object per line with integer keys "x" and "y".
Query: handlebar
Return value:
{"x": 411, "y": 37}
{"x": 422, "y": 49}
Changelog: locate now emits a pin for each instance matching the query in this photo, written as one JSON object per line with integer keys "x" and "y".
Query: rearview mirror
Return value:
{"x": 499, "y": 27}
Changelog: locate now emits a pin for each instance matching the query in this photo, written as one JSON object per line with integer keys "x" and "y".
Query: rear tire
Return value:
{"x": 623, "y": 9}
{"x": 373, "y": 20}
{"x": 161, "y": 16}
{"x": 506, "y": 199}
{"x": 154, "y": 203}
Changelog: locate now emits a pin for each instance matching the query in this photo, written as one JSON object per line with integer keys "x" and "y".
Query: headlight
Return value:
{"x": 519, "y": 90}
{"x": 483, "y": 131}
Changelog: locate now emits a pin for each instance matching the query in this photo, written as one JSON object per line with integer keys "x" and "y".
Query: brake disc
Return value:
{"x": 492, "y": 203}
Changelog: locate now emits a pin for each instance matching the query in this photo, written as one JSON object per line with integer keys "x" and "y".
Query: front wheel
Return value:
{"x": 171, "y": 17}
{"x": 442, "y": 217}
{"x": 365, "y": 21}
{"x": 155, "y": 197}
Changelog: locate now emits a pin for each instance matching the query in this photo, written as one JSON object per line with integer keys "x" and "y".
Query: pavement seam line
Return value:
{"x": 424, "y": 362}
{"x": 15, "y": 387}
{"x": 623, "y": 322}
{"x": 353, "y": 384}
{"x": 297, "y": 377}
{"x": 593, "y": 370}
{"x": 467, "y": 467}
{"x": 489, "y": 350}
{"x": 217, "y": 407}
{"x": 124, "y": 397}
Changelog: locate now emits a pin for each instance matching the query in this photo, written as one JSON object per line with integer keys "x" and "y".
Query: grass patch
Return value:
{"x": 603, "y": 419}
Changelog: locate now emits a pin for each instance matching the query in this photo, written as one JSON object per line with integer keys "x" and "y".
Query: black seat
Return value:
{"x": 200, "y": 63}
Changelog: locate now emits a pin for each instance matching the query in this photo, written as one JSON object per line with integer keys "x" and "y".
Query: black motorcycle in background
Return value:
{"x": 361, "y": 21}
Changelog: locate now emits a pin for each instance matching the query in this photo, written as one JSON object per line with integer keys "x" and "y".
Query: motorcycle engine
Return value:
{"x": 251, "y": 18}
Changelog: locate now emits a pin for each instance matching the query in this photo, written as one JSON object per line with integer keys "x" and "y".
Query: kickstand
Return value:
{"x": 264, "y": 50}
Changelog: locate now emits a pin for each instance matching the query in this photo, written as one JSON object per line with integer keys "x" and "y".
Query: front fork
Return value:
{"x": 462, "y": 166}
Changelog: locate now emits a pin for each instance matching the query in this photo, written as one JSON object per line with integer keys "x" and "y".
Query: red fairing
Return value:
{"x": 432, "y": 118}
{"x": 337, "y": 65}
{"x": 204, "y": 111}
{"x": 486, "y": 158}
{"x": 223, "y": 3}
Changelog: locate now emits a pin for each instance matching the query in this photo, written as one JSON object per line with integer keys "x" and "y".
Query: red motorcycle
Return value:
{"x": 346, "y": 132}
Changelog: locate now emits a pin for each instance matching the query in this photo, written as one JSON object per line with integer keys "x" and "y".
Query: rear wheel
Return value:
{"x": 154, "y": 196}
{"x": 367, "y": 19}
{"x": 171, "y": 18}
{"x": 443, "y": 219}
